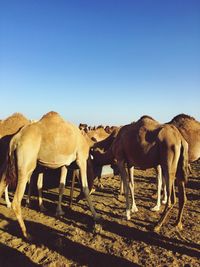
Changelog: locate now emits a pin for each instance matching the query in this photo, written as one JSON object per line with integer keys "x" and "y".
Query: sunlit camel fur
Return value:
{"x": 146, "y": 144}
{"x": 50, "y": 142}
{"x": 8, "y": 127}
{"x": 97, "y": 134}
{"x": 104, "y": 146}
{"x": 63, "y": 176}
{"x": 190, "y": 130}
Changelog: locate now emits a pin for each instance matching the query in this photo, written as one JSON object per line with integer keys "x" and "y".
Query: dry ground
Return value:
{"x": 72, "y": 241}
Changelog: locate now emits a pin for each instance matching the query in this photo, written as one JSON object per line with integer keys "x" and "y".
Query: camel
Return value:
{"x": 51, "y": 142}
{"x": 103, "y": 146}
{"x": 98, "y": 134}
{"x": 190, "y": 130}
{"x": 8, "y": 128}
{"x": 75, "y": 174}
{"x": 92, "y": 136}
{"x": 146, "y": 144}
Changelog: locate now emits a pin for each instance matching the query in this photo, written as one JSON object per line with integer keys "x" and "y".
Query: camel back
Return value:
{"x": 12, "y": 124}
{"x": 190, "y": 130}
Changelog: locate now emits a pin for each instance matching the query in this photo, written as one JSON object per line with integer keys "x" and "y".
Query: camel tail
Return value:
{"x": 183, "y": 165}
{"x": 11, "y": 170}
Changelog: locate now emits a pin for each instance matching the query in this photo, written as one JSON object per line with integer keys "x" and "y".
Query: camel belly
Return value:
{"x": 56, "y": 161}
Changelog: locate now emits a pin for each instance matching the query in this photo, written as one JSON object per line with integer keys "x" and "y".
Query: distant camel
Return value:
{"x": 50, "y": 142}
{"x": 146, "y": 144}
{"x": 98, "y": 134}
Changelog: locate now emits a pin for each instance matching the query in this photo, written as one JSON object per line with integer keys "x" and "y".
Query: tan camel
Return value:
{"x": 146, "y": 144}
{"x": 50, "y": 142}
{"x": 8, "y": 127}
{"x": 104, "y": 146}
{"x": 190, "y": 130}
{"x": 98, "y": 134}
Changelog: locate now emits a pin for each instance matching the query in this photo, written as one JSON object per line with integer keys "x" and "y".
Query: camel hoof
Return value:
{"x": 134, "y": 209}
{"x": 179, "y": 226}
{"x": 28, "y": 237}
{"x": 120, "y": 197}
{"x": 156, "y": 228}
{"x": 97, "y": 228}
{"x": 164, "y": 201}
{"x": 156, "y": 208}
{"x": 92, "y": 191}
{"x": 128, "y": 215}
{"x": 59, "y": 213}
{"x": 8, "y": 205}
{"x": 100, "y": 186}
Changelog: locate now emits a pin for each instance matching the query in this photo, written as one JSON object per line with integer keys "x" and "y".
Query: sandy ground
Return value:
{"x": 72, "y": 240}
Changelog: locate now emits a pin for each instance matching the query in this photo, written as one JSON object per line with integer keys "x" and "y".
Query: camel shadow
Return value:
{"x": 57, "y": 241}
{"x": 10, "y": 257}
{"x": 153, "y": 239}
{"x": 83, "y": 255}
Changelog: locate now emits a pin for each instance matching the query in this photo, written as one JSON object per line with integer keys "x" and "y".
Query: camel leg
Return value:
{"x": 39, "y": 187}
{"x": 3, "y": 185}
{"x": 8, "y": 203}
{"x": 63, "y": 176}
{"x": 99, "y": 184}
{"x": 124, "y": 176}
{"x": 159, "y": 187}
{"x": 30, "y": 186}
{"x": 83, "y": 171}
{"x": 164, "y": 201}
{"x": 72, "y": 188}
{"x": 131, "y": 187}
{"x": 121, "y": 190}
{"x": 182, "y": 200}
{"x": 16, "y": 203}
{"x": 169, "y": 184}
{"x": 173, "y": 195}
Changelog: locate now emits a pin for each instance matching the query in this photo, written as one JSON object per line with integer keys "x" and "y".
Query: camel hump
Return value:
{"x": 147, "y": 122}
{"x": 182, "y": 117}
{"x": 147, "y": 117}
{"x": 15, "y": 117}
{"x": 12, "y": 124}
{"x": 52, "y": 117}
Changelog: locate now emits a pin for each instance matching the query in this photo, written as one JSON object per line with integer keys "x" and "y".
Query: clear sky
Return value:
{"x": 100, "y": 61}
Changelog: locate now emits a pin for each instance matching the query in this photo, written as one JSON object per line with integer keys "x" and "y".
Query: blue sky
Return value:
{"x": 102, "y": 61}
